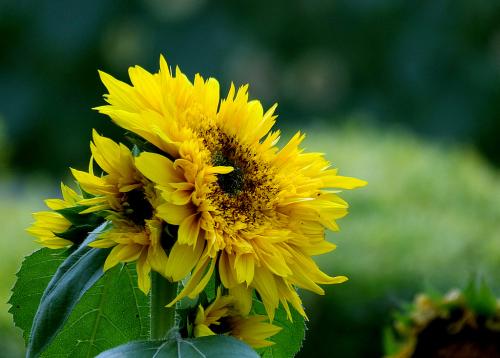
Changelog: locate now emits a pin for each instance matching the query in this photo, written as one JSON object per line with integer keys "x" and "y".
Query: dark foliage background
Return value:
{"x": 433, "y": 66}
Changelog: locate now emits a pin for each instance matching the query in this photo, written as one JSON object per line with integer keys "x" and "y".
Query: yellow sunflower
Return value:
{"x": 223, "y": 317}
{"x": 255, "y": 212}
{"x": 50, "y": 225}
{"x": 129, "y": 200}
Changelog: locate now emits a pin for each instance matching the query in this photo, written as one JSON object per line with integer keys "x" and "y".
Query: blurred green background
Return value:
{"x": 404, "y": 94}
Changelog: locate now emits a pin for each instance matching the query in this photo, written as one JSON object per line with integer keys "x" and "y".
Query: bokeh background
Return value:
{"x": 405, "y": 94}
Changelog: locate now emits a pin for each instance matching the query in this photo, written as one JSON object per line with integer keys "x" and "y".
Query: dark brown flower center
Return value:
{"x": 437, "y": 341}
{"x": 231, "y": 183}
{"x": 223, "y": 327}
{"x": 246, "y": 194}
{"x": 137, "y": 207}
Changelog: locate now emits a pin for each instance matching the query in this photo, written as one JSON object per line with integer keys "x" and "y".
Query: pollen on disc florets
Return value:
{"x": 245, "y": 195}
{"x": 231, "y": 183}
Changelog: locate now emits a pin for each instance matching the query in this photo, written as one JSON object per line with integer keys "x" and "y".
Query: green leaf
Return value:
{"x": 288, "y": 341}
{"x": 72, "y": 279}
{"x": 204, "y": 347}
{"x": 112, "y": 312}
{"x": 33, "y": 278}
{"x": 74, "y": 254}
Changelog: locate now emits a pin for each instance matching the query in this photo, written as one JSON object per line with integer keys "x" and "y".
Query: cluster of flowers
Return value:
{"x": 201, "y": 191}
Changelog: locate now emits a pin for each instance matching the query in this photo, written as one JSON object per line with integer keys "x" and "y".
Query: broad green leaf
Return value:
{"x": 74, "y": 277}
{"x": 112, "y": 312}
{"x": 74, "y": 254}
{"x": 32, "y": 279}
{"x": 288, "y": 341}
{"x": 204, "y": 347}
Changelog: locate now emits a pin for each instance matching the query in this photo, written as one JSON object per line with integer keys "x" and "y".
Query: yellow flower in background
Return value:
{"x": 222, "y": 317}
{"x": 256, "y": 212}
{"x": 49, "y": 224}
{"x": 129, "y": 201}
{"x": 461, "y": 324}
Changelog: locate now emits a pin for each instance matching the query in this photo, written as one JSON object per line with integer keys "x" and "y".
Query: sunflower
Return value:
{"x": 255, "y": 212}
{"x": 121, "y": 185}
{"x": 49, "y": 226}
{"x": 128, "y": 201}
{"x": 458, "y": 324}
{"x": 223, "y": 317}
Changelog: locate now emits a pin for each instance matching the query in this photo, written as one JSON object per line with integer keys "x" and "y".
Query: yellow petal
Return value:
{"x": 174, "y": 214}
{"x": 94, "y": 209}
{"x": 180, "y": 197}
{"x": 226, "y": 271}
{"x": 122, "y": 253}
{"x": 189, "y": 230}
{"x": 182, "y": 259}
{"x": 197, "y": 282}
{"x": 201, "y": 330}
{"x": 143, "y": 269}
{"x": 220, "y": 170}
{"x": 204, "y": 281}
{"x": 103, "y": 243}
{"x": 110, "y": 156}
{"x": 338, "y": 181}
{"x": 265, "y": 284}
{"x": 55, "y": 243}
{"x": 121, "y": 94}
{"x": 242, "y": 298}
{"x": 244, "y": 267}
{"x": 157, "y": 168}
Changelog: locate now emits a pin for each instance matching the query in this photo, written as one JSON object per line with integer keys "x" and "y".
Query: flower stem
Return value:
{"x": 162, "y": 318}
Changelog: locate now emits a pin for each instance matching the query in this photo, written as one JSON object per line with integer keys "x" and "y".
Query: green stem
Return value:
{"x": 162, "y": 318}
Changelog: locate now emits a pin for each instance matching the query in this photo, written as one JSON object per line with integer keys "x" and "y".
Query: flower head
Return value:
{"x": 128, "y": 200}
{"x": 120, "y": 187}
{"x": 459, "y": 324}
{"x": 50, "y": 226}
{"x": 256, "y": 212}
{"x": 222, "y": 316}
